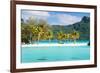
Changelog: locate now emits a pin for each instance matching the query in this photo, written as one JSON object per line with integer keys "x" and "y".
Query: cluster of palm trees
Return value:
{"x": 33, "y": 31}
{"x": 68, "y": 36}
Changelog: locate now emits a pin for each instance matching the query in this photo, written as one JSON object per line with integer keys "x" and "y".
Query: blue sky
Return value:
{"x": 53, "y": 17}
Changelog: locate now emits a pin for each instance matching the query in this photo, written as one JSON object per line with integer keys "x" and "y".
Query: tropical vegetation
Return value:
{"x": 34, "y": 30}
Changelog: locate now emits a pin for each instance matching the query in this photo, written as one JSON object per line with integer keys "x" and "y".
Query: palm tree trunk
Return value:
{"x": 30, "y": 39}
{"x": 38, "y": 37}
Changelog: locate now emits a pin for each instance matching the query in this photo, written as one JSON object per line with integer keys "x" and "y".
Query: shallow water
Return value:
{"x": 57, "y": 41}
{"x": 54, "y": 53}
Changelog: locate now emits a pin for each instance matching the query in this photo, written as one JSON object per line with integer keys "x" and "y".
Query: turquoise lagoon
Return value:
{"x": 31, "y": 54}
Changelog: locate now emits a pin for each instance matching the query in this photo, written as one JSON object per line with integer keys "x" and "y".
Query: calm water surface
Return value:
{"x": 54, "y": 53}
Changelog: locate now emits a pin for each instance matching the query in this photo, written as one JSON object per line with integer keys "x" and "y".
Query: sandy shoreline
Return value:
{"x": 71, "y": 44}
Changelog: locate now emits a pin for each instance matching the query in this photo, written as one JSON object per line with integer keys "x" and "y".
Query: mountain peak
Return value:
{"x": 85, "y": 19}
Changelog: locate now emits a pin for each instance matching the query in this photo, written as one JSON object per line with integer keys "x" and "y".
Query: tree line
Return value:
{"x": 34, "y": 30}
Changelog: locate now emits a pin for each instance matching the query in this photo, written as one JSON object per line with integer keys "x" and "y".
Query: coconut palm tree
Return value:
{"x": 40, "y": 32}
{"x": 60, "y": 36}
{"x": 26, "y": 33}
{"x": 66, "y": 36}
{"x": 49, "y": 35}
{"x": 45, "y": 31}
{"x": 31, "y": 26}
{"x": 75, "y": 35}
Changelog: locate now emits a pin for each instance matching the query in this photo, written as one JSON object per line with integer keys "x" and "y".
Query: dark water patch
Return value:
{"x": 42, "y": 59}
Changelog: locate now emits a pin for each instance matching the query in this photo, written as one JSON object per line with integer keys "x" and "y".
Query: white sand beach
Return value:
{"x": 56, "y": 44}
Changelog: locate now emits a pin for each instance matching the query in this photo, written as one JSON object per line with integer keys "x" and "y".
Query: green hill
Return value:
{"x": 83, "y": 27}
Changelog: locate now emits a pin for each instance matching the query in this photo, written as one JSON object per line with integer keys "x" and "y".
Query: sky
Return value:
{"x": 54, "y": 17}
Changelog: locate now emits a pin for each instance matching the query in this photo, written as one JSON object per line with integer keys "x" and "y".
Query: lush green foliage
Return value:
{"x": 34, "y": 30}
{"x": 83, "y": 27}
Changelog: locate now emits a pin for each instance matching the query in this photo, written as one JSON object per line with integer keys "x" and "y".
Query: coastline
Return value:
{"x": 56, "y": 44}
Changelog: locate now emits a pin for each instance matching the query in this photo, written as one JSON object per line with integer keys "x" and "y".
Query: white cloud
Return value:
{"x": 40, "y": 13}
{"x": 68, "y": 19}
{"x": 61, "y": 19}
